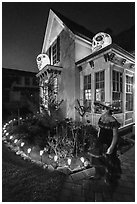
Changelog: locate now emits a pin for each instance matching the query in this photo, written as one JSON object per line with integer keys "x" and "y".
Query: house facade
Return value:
{"x": 20, "y": 92}
{"x": 88, "y": 68}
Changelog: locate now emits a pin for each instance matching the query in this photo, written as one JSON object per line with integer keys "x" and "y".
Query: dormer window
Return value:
{"x": 54, "y": 52}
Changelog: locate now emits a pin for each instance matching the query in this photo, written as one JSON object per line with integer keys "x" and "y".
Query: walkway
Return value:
{"x": 79, "y": 188}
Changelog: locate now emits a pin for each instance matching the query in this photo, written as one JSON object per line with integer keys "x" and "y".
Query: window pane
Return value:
{"x": 99, "y": 86}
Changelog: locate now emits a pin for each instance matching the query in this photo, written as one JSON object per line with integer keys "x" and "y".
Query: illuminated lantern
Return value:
{"x": 22, "y": 144}
{"x": 41, "y": 153}
{"x": 15, "y": 141}
{"x": 29, "y": 150}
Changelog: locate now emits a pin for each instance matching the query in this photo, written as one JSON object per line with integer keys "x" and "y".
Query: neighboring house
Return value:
{"x": 89, "y": 68}
{"x": 20, "y": 92}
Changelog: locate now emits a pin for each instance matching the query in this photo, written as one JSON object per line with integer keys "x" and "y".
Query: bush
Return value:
{"x": 62, "y": 137}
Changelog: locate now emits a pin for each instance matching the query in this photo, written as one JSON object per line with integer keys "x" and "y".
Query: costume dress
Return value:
{"x": 106, "y": 123}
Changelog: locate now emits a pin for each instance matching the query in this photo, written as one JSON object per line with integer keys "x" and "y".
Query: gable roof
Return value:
{"x": 74, "y": 27}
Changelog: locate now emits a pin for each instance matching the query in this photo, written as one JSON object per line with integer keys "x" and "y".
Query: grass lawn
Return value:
{"x": 23, "y": 181}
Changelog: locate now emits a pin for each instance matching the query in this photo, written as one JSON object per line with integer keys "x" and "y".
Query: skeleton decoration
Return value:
{"x": 100, "y": 41}
{"x": 42, "y": 61}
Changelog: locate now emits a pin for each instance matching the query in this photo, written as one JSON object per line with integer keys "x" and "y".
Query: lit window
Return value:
{"x": 117, "y": 91}
{"x": 129, "y": 93}
{"x": 87, "y": 91}
{"x": 99, "y": 89}
{"x": 99, "y": 86}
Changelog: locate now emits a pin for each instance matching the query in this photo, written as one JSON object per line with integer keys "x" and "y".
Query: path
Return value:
{"x": 79, "y": 188}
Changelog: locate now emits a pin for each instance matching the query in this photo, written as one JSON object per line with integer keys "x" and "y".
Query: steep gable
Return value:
{"x": 53, "y": 29}
{"x": 56, "y": 23}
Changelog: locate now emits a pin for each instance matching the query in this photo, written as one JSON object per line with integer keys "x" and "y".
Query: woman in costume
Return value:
{"x": 107, "y": 142}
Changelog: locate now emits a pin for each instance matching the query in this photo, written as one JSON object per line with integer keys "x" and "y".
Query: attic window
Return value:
{"x": 55, "y": 51}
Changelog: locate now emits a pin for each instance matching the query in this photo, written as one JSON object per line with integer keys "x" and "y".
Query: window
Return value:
{"x": 129, "y": 93}
{"x": 87, "y": 91}
{"x": 117, "y": 91}
{"x": 54, "y": 51}
{"x": 99, "y": 89}
{"x": 99, "y": 86}
{"x": 27, "y": 81}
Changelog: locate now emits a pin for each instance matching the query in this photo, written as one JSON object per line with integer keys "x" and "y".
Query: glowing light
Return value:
{"x": 29, "y": 150}
{"x": 5, "y": 131}
{"x": 7, "y": 134}
{"x": 55, "y": 158}
{"x": 15, "y": 141}
{"x": 69, "y": 161}
{"x": 14, "y": 119}
{"x": 11, "y": 137}
{"x": 86, "y": 163}
{"x": 20, "y": 118}
{"x": 82, "y": 159}
{"x": 41, "y": 152}
{"x": 22, "y": 144}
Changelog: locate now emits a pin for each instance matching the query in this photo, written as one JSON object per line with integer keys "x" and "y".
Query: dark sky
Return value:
{"x": 24, "y": 24}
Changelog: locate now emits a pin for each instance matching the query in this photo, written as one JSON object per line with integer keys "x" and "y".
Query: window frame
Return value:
{"x": 117, "y": 91}
{"x": 87, "y": 91}
{"x": 129, "y": 92}
{"x": 54, "y": 51}
{"x": 99, "y": 77}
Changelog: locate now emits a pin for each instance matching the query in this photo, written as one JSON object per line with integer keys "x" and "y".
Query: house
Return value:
{"x": 89, "y": 68}
{"x": 20, "y": 92}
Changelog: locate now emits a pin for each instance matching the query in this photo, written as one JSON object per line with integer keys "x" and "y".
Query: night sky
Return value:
{"x": 24, "y": 24}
